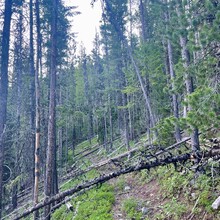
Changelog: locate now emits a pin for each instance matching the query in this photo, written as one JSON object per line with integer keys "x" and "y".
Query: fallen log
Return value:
{"x": 78, "y": 172}
{"x": 216, "y": 203}
{"x": 104, "y": 178}
{"x": 83, "y": 151}
{"x": 69, "y": 206}
{"x": 100, "y": 164}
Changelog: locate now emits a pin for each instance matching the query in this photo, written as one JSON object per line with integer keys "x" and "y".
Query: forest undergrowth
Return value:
{"x": 164, "y": 193}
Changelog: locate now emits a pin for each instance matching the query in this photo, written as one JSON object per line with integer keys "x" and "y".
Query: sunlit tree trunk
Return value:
{"x": 37, "y": 119}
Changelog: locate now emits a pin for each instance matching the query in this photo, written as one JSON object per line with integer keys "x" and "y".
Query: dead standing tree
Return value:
{"x": 50, "y": 186}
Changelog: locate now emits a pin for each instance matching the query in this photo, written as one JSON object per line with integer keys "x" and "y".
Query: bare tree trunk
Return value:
{"x": 4, "y": 86}
{"x": 32, "y": 88}
{"x": 37, "y": 120}
{"x": 60, "y": 132}
{"x": 51, "y": 148}
{"x": 189, "y": 89}
{"x": 174, "y": 95}
{"x": 143, "y": 21}
{"x": 125, "y": 120}
{"x": 106, "y": 130}
{"x": 18, "y": 72}
{"x": 131, "y": 127}
{"x": 110, "y": 122}
{"x": 88, "y": 97}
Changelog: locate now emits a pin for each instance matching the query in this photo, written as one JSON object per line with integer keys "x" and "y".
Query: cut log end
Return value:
{"x": 69, "y": 206}
{"x": 216, "y": 204}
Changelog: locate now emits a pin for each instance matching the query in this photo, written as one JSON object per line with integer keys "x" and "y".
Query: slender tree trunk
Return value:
{"x": 4, "y": 86}
{"x": 66, "y": 142}
{"x": 131, "y": 127}
{"x": 60, "y": 132}
{"x": 106, "y": 131}
{"x": 110, "y": 125}
{"x": 18, "y": 71}
{"x": 51, "y": 147}
{"x": 189, "y": 89}
{"x": 125, "y": 120}
{"x": 171, "y": 71}
{"x": 32, "y": 88}
{"x": 143, "y": 21}
{"x": 188, "y": 83}
{"x": 37, "y": 120}
{"x": 88, "y": 97}
{"x": 174, "y": 95}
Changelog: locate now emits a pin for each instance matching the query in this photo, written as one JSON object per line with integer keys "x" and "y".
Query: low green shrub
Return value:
{"x": 130, "y": 207}
{"x": 96, "y": 204}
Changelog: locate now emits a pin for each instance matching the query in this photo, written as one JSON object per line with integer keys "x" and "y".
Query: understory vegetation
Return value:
{"x": 94, "y": 204}
{"x": 169, "y": 192}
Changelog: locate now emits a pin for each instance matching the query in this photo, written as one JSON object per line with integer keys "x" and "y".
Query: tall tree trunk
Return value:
{"x": 172, "y": 78}
{"x": 189, "y": 89}
{"x": 143, "y": 21}
{"x": 188, "y": 82}
{"x": 37, "y": 119}
{"x": 32, "y": 86}
{"x": 125, "y": 120}
{"x": 88, "y": 97}
{"x": 51, "y": 145}
{"x": 4, "y": 86}
{"x": 110, "y": 123}
{"x": 60, "y": 131}
{"x": 18, "y": 71}
{"x": 106, "y": 130}
{"x": 174, "y": 95}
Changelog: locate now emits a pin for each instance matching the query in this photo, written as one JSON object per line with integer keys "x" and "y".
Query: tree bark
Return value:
{"x": 18, "y": 72}
{"x": 4, "y": 86}
{"x": 32, "y": 86}
{"x": 143, "y": 21}
{"x": 37, "y": 119}
{"x": 88, "y": 97}
{"x": 189, "y": 89}
{"x": 172, "y": 78}
{"x": 51, "y": 145}
{"x": 174, "y": 95}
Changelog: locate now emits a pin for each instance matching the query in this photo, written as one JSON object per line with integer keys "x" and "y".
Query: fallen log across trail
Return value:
{"x": 141, "y": 165}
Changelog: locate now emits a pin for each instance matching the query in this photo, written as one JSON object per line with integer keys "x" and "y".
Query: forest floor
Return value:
{"x": 161, "y": 194}
{"x": 147, "y": 200}
{"x": 146, "y": 195}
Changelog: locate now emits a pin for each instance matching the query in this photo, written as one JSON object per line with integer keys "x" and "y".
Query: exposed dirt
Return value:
{"x": 147, "y": 195}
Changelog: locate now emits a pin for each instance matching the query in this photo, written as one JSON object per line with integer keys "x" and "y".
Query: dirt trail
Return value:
{"x": 147, "y": 195}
